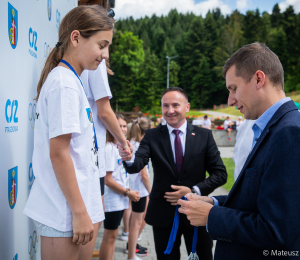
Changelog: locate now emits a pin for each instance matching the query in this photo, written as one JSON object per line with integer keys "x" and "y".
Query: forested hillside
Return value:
{"x": 139, "y": 50}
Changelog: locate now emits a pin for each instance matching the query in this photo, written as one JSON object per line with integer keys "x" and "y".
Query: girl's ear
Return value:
{"x": 74, "y": 37}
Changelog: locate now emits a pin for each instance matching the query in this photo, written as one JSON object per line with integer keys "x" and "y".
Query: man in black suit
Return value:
{"x": 180, "y": 154}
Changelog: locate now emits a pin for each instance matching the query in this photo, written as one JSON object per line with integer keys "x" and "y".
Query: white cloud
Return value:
{"x": 242, "y": 4}
{"x": 141, "y": 8}
{"x": 295, "y": 3}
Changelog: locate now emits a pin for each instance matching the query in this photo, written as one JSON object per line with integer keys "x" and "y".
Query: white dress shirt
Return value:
{"x": 182, "y": 136}
{"x": 243, "y": 146}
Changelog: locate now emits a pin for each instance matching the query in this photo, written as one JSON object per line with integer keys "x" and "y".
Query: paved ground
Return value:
{"x": 147, "y": 235}
{"x": 226, "y": 152}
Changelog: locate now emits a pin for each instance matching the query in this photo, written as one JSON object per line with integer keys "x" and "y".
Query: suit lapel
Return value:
{"x": 285, "y": 108}
{"x": 189, "y": 141}
{"x": 165, "y": 139}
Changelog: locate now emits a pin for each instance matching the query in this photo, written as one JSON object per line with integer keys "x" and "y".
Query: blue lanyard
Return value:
{"x": 174, "y": 233}
{"x": 71, "y": 68}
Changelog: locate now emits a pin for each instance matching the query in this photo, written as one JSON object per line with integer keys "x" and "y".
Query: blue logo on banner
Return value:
{"x": 32, "y": 42}
{"x": 57, "y": 19}
{"x": 30, "y": 176}
{"x": 89, "y": 114}
{"x": 11, "y": 115}
{"x": 49, "y": 9}
{"x": 16, "y": 257}
{"x": 12, "y": 26}
{"x": 12, "y": 186}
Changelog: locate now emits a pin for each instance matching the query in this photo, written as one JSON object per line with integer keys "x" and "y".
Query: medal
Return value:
{"x": 193, "y": 255}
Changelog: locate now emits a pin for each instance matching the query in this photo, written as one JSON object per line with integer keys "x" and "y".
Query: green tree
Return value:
{"x": 126, "y": 56}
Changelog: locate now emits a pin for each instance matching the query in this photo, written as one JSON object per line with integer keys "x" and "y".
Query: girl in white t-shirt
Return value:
{"x": 117, "y": 193}
{"x": 139, "y": 182}
{"x": 64, "y": 201}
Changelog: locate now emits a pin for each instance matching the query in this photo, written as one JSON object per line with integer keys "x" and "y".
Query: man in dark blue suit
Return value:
{"x": 260, "y": 216}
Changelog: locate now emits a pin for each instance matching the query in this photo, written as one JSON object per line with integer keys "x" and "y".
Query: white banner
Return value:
{"x": 29, "y": 30}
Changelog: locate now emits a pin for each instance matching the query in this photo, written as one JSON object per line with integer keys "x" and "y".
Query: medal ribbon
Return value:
{"x": 174, "y": 230}
{"x": 71, "y": 68}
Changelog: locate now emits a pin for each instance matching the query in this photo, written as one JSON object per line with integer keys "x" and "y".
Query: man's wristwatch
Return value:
{"x": 126, "y": 192}
{"x": 193, "y": 191}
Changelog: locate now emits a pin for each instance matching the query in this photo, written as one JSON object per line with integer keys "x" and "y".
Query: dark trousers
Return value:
{"x": 161, "y": 238}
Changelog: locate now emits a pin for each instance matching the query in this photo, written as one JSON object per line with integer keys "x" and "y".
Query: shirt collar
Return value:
{"x": 182, "y": 128}
{"x": 264, "y": 119}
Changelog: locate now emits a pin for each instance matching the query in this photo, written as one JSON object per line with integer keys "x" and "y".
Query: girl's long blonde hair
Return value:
{"x": 88, "y": 20}
{"x": 138, "y": 129}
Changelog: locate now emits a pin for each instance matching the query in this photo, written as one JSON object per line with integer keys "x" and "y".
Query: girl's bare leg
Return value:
{"x": 59, "y": 248}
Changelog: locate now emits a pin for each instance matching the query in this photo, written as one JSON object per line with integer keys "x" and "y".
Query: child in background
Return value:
{"x": 117, "y": 193}
{"x": 64, "y": 201}
{"x": 139, "y": 182}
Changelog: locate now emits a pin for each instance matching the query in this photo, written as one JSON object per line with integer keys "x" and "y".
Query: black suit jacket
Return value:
{"x": 201, "y": 155}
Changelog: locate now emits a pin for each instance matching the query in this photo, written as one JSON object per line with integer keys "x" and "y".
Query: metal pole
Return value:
{"x": 168, "y": 72}
{"x": 168, "y": 76}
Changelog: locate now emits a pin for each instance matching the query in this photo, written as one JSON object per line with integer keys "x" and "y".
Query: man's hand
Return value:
{"x": 126, "y": 154}
{"x": 197, "y": 197}
{"x": 174, "y": 196}
{"x": 196, "y": 210}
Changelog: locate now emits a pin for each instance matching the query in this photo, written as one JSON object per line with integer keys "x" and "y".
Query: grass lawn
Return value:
{"x": 195, "y": 113}
{"x": 296, "y": 98}
{"x": 229, "y": 164}
{"x": 230, "y": 110}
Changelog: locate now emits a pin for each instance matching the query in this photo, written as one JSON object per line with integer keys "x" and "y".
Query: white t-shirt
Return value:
{"x": 96, "y": 86}
{"x": 115, "y": 201}
{"x": 135, "y": 179}
{"x": 226, "y": 123}
{"x": 243, "y": 145}
{"x": 206, "y": 122}
{"x": 238, "y": 124}
{"x": 63, "y": 108}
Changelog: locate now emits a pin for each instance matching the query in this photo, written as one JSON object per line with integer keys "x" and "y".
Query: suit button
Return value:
{"x": 178, "y": 181}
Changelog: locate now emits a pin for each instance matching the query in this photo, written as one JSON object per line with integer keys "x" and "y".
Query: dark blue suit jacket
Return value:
{"x": 262, "y": 210}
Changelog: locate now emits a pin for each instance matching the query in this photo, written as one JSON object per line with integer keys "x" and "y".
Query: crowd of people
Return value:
{"x": 87, "y": 171}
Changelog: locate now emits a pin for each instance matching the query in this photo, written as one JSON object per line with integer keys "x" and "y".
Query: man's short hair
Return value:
{"x": 253, "y": 57}
{"x": 180, "y": 90}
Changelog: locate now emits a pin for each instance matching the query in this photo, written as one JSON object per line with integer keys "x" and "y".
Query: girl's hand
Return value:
{"x": 126, "y": 151}
{"x": 83, "y": 229}
{"x": 134, "y": 195}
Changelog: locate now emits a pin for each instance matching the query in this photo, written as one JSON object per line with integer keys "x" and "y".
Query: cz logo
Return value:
{"x": 32, "y": 42}
{"x": 12, "y": 114}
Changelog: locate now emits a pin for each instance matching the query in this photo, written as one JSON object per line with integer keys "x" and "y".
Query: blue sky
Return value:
{"x": 141, "y": 8}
